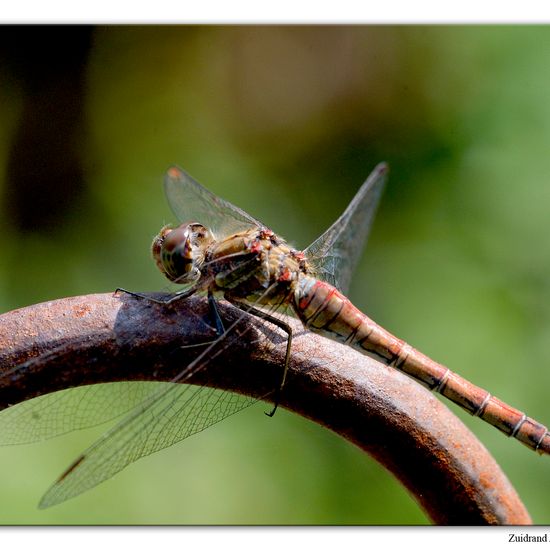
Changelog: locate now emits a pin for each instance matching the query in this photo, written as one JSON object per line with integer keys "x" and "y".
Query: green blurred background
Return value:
{"x": 286, "y": 122}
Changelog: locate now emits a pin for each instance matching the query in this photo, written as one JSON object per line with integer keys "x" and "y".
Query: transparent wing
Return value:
{"x": 336, "y": 252}
{"x": 173, "y": 413}
{"x": 64, "y": 411}
{"x": 190, "y": 201}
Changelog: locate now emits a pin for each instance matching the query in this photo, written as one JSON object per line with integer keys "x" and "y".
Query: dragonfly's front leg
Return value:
{"x": 214, "y": 313}
{"x": 181, "y": 295}
{"x": 283, "y": 326}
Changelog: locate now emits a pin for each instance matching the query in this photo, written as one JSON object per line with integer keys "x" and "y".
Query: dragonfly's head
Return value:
{"x": 179, "y": 252}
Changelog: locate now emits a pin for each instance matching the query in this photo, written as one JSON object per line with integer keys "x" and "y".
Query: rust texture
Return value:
{"x": 105, "y": 338}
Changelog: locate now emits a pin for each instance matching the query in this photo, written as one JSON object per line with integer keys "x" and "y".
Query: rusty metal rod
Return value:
{"x": 105, "y": 338}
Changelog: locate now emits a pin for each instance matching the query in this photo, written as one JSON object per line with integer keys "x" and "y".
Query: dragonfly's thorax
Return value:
{"x": 253, "y": 265}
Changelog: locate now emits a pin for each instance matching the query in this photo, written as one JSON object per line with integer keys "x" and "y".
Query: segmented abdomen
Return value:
{"x": 325, "y": 310}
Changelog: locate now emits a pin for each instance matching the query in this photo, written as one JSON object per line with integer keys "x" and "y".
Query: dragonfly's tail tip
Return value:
{"x": 543, "y": 447}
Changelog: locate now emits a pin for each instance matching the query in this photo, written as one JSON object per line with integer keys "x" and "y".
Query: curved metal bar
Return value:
{"x": 105, "y": 338}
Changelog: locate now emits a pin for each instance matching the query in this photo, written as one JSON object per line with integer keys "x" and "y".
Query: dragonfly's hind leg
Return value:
{"x": 181, "y": 295}
{"x": 283, "y": 326}
{"x": 215, "y": 313}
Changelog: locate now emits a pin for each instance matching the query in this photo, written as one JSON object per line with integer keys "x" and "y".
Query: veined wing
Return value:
{"x": 190, "y": 201}
{"x": 166, "y": 416}
{"x": 334, "y": 255}
{"x": 68, "y": 410}
{"x": 172, "y": 413}
{"x": 158, "y": 415}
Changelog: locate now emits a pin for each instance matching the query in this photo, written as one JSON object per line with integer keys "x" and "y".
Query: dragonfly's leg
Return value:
{"x": 283, "y": 326}
{"x": 181, "y": 295}
{"x": 217, "y": 320}
{"x": 214, "y": 312}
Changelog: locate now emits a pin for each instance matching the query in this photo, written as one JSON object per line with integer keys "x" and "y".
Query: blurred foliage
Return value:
{"x": 287, "y": 122}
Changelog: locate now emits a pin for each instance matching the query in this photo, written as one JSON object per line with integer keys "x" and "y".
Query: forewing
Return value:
{"x": 191, "y": 202}
{"x": 172, "y": 413}
{"x": 334, "y": 255}
{"x": 64, "y": 411}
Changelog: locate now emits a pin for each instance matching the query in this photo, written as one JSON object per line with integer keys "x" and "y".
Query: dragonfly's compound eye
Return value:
{"x": 179, "y": 252}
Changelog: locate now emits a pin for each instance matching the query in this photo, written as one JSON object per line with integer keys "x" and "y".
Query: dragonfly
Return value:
{"x": 220, "y": 251}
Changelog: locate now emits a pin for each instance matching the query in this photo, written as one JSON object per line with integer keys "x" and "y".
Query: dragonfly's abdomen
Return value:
{"x": 325, "y": 310}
